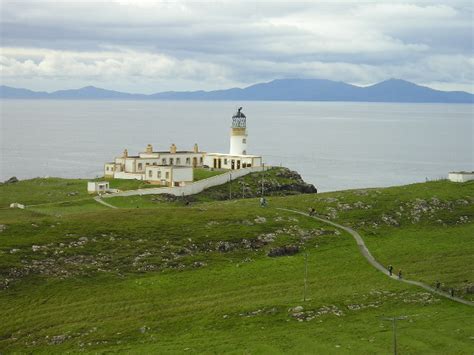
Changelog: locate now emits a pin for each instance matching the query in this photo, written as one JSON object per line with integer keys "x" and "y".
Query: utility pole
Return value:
{"x": 394, "y": 325}
{"x": 305, "y": 274}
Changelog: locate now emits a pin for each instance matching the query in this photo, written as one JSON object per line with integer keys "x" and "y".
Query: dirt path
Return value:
{"x": 98, "y": 199}
{"x": 366, "y": 253}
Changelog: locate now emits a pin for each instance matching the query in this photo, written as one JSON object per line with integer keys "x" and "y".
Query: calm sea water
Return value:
{"x": 333, "y": 145}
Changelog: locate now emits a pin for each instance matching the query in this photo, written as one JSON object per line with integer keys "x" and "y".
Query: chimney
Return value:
{"x": 173, "y": 149}
{"x": 196, "y": 148}
{"x": 149, "y": 148}
{"x": 125, "y": 153}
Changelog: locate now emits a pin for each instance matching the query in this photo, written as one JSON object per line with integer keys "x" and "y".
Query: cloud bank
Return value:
{"x": 149, "y": 46}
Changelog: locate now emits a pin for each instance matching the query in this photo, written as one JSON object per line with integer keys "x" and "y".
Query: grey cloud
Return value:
{"x": 237, "y": 42}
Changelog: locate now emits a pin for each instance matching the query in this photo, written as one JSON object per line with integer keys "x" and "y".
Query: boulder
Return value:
{"x": 12, "y": 180}
{"x": 284, "y": 250}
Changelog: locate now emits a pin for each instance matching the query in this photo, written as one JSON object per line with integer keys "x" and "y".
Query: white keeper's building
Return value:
{"x": 175, "y": 168}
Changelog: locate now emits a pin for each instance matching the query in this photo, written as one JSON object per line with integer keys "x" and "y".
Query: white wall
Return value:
{"x": 129, "y": 176}
{"x": 91, "y": 187}
{"x": 129, "y": 165}
{"x": 193, "y": 188}
{"x": 460, "y": 177}
{"x": 183, "y": 174}
{"x": 209, "y": 160}
{"x": 237, "y": 145}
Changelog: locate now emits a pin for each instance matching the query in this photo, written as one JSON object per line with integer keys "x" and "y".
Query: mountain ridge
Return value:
{"x": 391, "y": 90}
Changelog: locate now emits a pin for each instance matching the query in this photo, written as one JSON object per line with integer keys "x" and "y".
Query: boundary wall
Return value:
{"x": 193, "y": 188}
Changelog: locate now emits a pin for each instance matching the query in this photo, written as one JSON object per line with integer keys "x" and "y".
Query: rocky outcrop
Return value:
{"x": 285, "y": 250}
{"x": 276, "y": 182}
{"x": 12, "y": 180}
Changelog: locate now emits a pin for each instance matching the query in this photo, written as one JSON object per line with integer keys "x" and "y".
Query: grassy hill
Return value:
{"x": 172, "y": 276}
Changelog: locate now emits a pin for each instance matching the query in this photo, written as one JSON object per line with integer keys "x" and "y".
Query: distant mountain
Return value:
{"x": 393, "y": 90}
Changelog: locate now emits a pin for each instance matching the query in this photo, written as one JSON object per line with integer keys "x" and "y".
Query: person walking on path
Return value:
{"x": 438, "y": 285}
{"x": 390, "y": 270}
{"x": 311, "y": 211}
{"x": 400, "y": 274}
{"x": 452, "y": 292}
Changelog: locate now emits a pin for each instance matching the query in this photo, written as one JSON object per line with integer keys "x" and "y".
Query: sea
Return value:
{"x": 333, "y": 145}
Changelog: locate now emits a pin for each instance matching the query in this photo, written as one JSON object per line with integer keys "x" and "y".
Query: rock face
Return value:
{"x": 12, "y": 180}
{"x": 299, "y": 185}
{"x": 285, "y": 250}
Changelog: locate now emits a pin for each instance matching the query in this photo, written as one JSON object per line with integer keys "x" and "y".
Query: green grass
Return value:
{"x": 203, "y": 173}
{"x": 43, "y": 190}
{"x": 131, "y": 184}
{"x": 152, "y": 279}
{"x": 57, "y": 190}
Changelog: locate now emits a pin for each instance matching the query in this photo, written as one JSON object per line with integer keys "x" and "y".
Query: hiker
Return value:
{"x": 263, "y": 202}
{"x": 400, "y": 273}
{"x": 452, "y": 292}
{"x": 390, "y": 270}
{"x": 438, "y": 285}
{"x": 311, "y": 211}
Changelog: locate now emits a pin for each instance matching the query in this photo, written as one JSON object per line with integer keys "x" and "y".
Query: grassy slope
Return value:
{"x": 429, "y": 240}
{"x": 202, "y": 173}
{"x": 41, "y": 191}
{"x": 54, "y": 190}
{"x": 176, "y": 306}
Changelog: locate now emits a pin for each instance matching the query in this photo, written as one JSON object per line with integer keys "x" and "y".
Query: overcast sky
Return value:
{"x": 150, "y": 46}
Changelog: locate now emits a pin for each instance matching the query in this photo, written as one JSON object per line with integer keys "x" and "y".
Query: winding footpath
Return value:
{"x": 99, "y": 199}
{"x": 366, "y": 253}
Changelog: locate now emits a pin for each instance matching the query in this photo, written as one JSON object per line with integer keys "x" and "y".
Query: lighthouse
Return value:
{"x": 238, "y": 134}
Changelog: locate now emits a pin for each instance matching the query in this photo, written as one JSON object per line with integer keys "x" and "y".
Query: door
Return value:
{"x": 195, "y": 162}
{"x": 232, "y": 164}
{"x": 238, "y": 164}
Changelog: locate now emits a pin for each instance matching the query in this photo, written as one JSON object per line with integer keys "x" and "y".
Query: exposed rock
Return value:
{"x": 260, "y": 220}
{"x": 224, "y": 246}
{"x": 17, "y": 205}
{"x": 12, "y": 180}
{"x": 57, "y": 339}
{"x": 285, "y": 250}
{"x": 296, "y": 309}
{"x": 3, "y": 228}
{"x": 301, "y": 315}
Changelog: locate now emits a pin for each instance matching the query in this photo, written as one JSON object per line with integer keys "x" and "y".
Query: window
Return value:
{"x": 158, "y": 173}
{"x": 107, "y": 168}
{"x": 225, "y": 161}
{"x": 178, "y": 161}
{"x": 140, "y": 166}
{"x": 167, "y": 176}
{"x": 188, "y": 161}
{"x": 171, "y": 161}
{"x": 147, "y": 164}
{"x": 150, "y": 173}
{"x": 163, "y": 161}
{"x": 200, "y": 160}
{"x": 154, "y": 163}
{"x": 244, "y": 140}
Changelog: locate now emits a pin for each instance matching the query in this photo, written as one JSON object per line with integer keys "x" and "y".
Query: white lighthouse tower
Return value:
{"x": 238, "y": 134}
